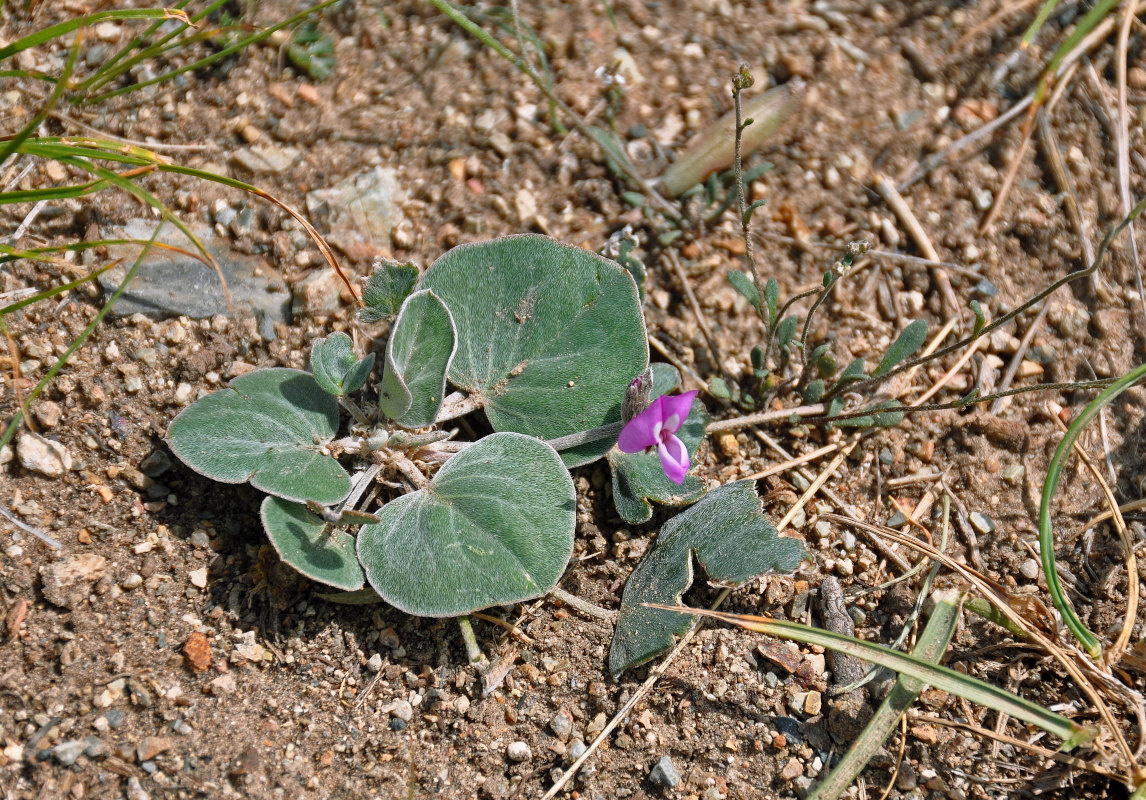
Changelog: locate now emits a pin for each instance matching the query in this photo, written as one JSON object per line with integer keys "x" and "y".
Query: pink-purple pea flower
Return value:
{"x": 656, "y": 426}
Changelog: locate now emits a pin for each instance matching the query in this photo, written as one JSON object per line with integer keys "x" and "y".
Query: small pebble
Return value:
{"x": 518, "y": 751}
{"x": 374, "y": 663}
{"x": 1030, "y": 569}
{"x": 198, "y": 577}
{"x": 402, "y": 710}
{"x": 664, "y": 774}
{"x": 133, "y": 581}
{"x": 397, "y": 724}
{"x": 981, "y": 522}
{"x": 67, "y": 752}
{"x": 576, "y": 750}
{"x": 562, "y": 724}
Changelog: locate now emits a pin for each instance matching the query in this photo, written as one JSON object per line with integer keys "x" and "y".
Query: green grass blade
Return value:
{"x": 53, "y": 193}
{"x": 140, "y": 41}
{"x": 931, "y": 646}
{"x": 1084, "y": 26}
{"x": 9, "y": 253}
{"x": 62, "y": 29}
{"x": 1045, "y": 10}
{"x": 18, "y": 417}
{"x": 58, "y": 90}
{"x": 1046, "y": 530}
{"x": 211, "y": 59}
{"x": 948, "y": 680}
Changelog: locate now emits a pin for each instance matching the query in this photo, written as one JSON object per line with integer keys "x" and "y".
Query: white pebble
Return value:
{"x": 518, "y": 751}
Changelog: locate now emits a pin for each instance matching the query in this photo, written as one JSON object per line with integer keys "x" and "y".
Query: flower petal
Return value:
{"x": 641, "y": 431}
{"x": 674, "y": 459}
{"x": 676, "y": 409}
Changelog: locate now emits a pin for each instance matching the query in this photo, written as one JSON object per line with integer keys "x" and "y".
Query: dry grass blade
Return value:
{"x": 1063, "y": 758}
{"x": 991, "y": 591}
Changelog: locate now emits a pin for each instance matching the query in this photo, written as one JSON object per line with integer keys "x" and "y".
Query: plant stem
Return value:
{"x": 740, "y": 82}
{"x": 610, "y": 431}
{"x": 473, "y": 652}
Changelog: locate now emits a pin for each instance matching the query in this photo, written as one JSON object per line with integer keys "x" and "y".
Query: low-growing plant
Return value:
{"x": 543, "y": 338}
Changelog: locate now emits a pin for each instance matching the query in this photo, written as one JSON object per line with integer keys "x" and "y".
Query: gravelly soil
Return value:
{"x": 304, "y": 698}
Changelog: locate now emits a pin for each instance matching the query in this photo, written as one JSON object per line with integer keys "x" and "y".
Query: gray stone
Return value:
{"x": 981, "y": 522}
{"x": 1030, "y": 569}
{"x": 155, "y": 464}
{"x": 361, "y": 212}
{"x": 170, "y": 284}
{"x": 374, "y": 663}
{"x": 94, "y": 747}
{"x": 266, "y": 159}
{"x": 67, "y": 752}
{"x": 135, "y": 790}
{"x": 402, "y": 710}
{"x": 665, "y": 774}
{"x": 577, "y": 749}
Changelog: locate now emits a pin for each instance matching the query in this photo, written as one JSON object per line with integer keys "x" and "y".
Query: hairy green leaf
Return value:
{"x": 495, "y": 526}
{"x": 732, "y": 540}
{"x": 906, "y": 344}
{"x": 335, "y": 366}
{"x": 320, "y": 552}
{"x": 268, "y": 428}
{"x": 386, "y": 290}
{"x": 549, "y": 336}
{"x": 422, "y": 344}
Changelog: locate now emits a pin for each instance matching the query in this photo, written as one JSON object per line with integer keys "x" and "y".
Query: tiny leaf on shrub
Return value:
{"x": 495, "y": 526}
{"x": 268, "y": 427}
{"x": 386, "y": 289}
{"x": 422, "y": 344}
{"x": 335, "y": 366}
{"x": 743, "y": 284}
{"x": 732, "y": 540}
{"x": 771, "y": 299}
{"x": 719, "y": 388}
{"x": 905, "y": 345}
{"x": 320, "y": 552}
{"x": 549, "y": 335}
{"x": 814, "y": 392}
{"x": 980, "y": 317}
{"x": 785, "y": 331}
{"x": 852, "y": 372}
{"x": 640, "y": 477}
{"x": 312, "y": 51}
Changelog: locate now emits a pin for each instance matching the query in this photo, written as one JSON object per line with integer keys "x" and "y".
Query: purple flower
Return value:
{"x": 656, "y": 426}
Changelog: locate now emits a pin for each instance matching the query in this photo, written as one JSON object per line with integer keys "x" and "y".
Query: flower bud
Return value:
{"x": 638, "y": 396}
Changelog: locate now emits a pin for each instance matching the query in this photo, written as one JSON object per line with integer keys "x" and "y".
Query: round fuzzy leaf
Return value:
{"x": 639, "y": 477}
{"x": 418, "y": 355}
{"x": 305, "y": 542}
{"x": 549, "y": 335}
{"x": 336, "y": 369}
{"x": 268, "y": 428}
{"x": 495, "y": 526}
